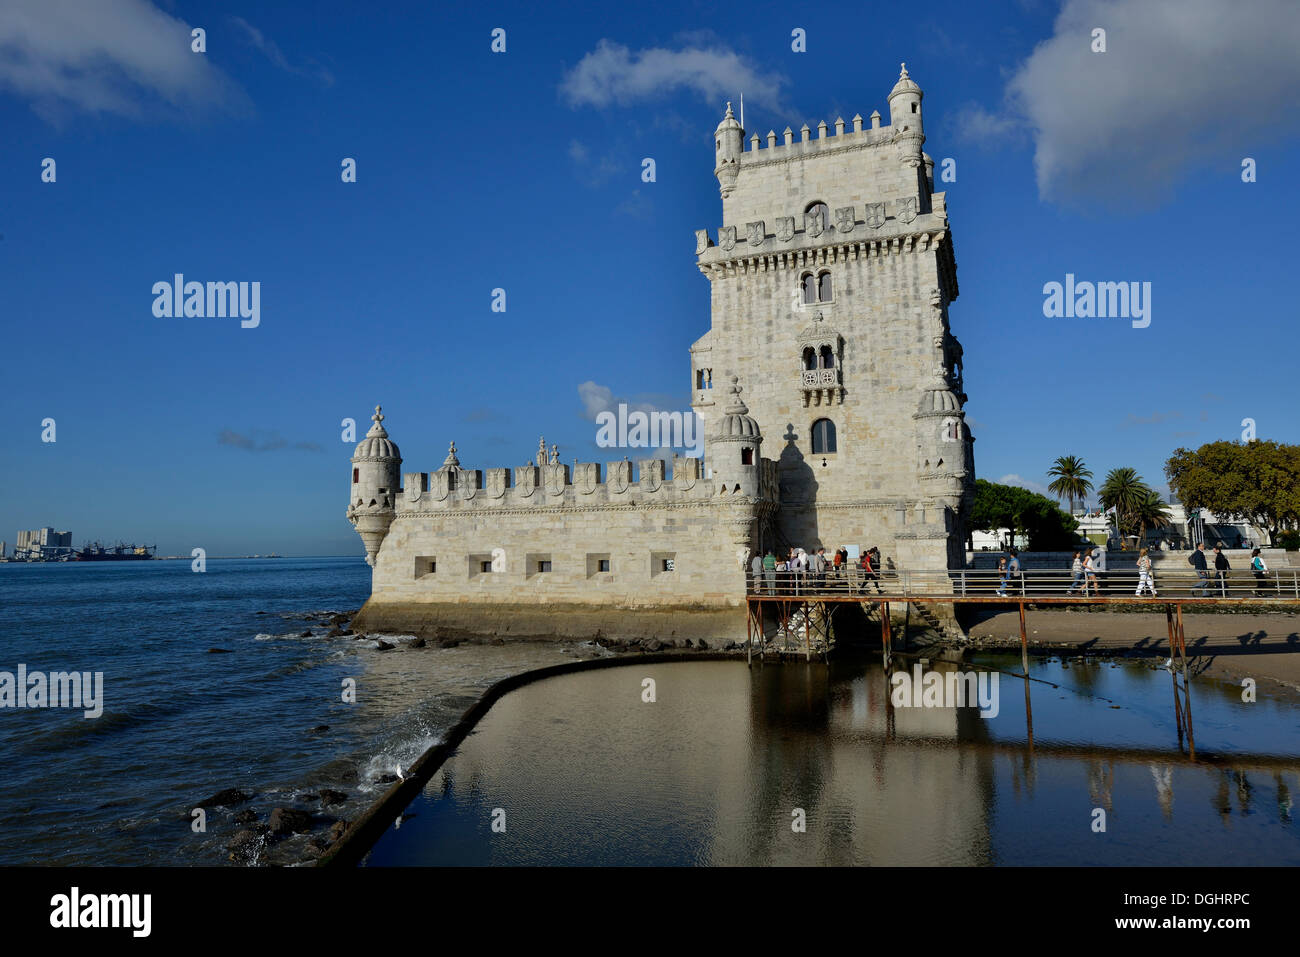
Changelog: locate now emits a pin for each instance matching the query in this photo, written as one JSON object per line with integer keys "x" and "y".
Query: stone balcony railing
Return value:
{"x": 815, "y": 378}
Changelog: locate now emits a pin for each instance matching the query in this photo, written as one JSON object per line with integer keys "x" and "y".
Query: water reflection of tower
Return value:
{"x": 1283, "y": 797}
{"x": 1164, "y": 778}
{"x": 1101, "y": 783}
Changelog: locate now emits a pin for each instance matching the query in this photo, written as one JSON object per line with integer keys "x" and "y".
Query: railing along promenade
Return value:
{"x": 795, "y": 595}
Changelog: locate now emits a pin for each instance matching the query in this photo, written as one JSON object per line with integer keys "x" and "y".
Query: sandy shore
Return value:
{"x": 1265, "y": 647}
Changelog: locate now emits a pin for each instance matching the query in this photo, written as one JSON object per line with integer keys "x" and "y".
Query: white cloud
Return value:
{"x": 598, "y": 398}
{"x": 1183, "y": 83}
{"x": 1014, "y": 479}
{"x": 268, "y": 47}
{"x": 123, "y": 57}
{"x": 613, "y": 74}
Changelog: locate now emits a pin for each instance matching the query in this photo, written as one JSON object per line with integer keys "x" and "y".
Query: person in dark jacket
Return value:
{"x": 1198, "y": 562}
{"x": 1221, "y": 567}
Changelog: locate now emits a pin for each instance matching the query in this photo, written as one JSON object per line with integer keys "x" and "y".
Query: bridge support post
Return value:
{"x": 1024, "y": 641}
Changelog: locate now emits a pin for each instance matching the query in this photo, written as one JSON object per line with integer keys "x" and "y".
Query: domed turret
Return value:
{"x": 905, "y": 116}
{"x": 376, "y": 477}
{"x": 728, "y": 143}
{"x": 734, "y": 448}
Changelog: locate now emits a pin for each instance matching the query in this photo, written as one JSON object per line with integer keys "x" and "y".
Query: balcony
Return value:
{"x": 820, "y": 378}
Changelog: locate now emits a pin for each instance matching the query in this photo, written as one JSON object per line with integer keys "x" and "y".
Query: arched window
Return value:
{"x": 823, "y": 437}
{"x": 828, "y": 358}
{"x": 809, "y": 358}
{"x": 809, "y": 288}
{"x": 824, "y": 287}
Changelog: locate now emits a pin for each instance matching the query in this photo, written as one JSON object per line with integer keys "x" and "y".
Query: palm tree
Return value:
{"x": 1124, "y": 491}
{"x": 1151, "y": 512}
{"x": 1071, "y": 478}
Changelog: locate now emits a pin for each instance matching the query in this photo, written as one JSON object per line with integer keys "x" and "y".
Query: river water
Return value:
{"x": 800, "y": 764}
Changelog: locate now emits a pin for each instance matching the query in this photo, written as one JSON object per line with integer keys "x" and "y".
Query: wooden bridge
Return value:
{"x": 802, "y": 603}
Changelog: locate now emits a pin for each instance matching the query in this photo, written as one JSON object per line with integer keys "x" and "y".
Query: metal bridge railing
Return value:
{"x": 852, "y": 581}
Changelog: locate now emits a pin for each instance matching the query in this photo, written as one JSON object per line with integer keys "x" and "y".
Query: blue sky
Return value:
{"x": 522, "y": 171}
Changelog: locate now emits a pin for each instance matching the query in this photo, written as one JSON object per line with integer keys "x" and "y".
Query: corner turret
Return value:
{"x": 728, "y": 141}
{"x": 734, "y": 448}
{"x": 372, "y": 496}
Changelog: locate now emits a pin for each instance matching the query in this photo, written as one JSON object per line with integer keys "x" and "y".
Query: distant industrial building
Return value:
{"x": 42, "y": 543}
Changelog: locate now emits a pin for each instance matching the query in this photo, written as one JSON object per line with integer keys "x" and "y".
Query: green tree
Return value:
{"x": 1151, "y": 512}
{"x": 1071, "y": 478}
{"x": 1018, "y": 509}
{"x": 1124, "y": 491}
{"x": 1256, "y": 482}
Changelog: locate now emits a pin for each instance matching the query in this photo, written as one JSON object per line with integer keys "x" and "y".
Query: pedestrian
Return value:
{"x": 1099, "y": 562}
{"x": 1146, "y": 580}
{"x": 869, "y": 571}
{"x": 1089, "y": 574}
{"x": 769, "y": 571}
{"x": 800, "y": 570}
{"x": 1076, "y": 573}
{"x": 1221, "y": 567}
{"x": 1012, "y": 572}
{"x": 1197, "y": 560}
{"x": 756, "y": 568}
{"x": 1259, "y": 570}
{"x": 838, "y": 561}
{"x": 819, "y": 567}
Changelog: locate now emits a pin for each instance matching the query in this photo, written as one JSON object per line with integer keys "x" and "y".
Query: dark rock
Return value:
{"x": 729, "y": 646}
{"x": 386, "y": 778}
{"x": 337, "y": 619}
{"x": 382, "y": 645}
{"x": 227, "y": 798}
{"x": 449, "y": 643}
{"x": 338, "y": 829}
{"x": 689, "y": 643}
{"x": 309, "y": 796}
{"x": 418, "y": 643}
{"x": 704, "y": 645}
{"x": 219, "y": 651}
{"x": 305, "y": 634}
{"x": 498, "y": 641}
{"x": 245, "y": 843}
{"x": 259, "y": 613}
{"x": 334, "y": 633}
{"x": 246, "y": 816}
{"x": 287, "y": 820}
{"x": 346, "y": 632}
{"x": 654, "y": 644}
{"x": 319, "y": 728}
{"x": 329, "y": 796}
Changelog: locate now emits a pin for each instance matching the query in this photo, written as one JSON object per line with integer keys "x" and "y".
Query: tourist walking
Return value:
{"x": 1146, "y": 581}
{"x": 1260, "y": 571}
{"x": 1012, "y": 572}
{"x": 869, "y": 572}
{"x": 819, "y": 567}
{"x": 769, "y": 571}
{"x": 756, "y": 568}
{"x": 1076, "y": 573}
{"x": 1089, "y": 574}
{"x": 1197, "y": 561}
{"x": 1099, "y": 563}
{"x": 1221, "y": 567}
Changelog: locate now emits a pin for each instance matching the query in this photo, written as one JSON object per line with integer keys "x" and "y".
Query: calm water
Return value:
{"x": 587, "y": 773}
{"x": 180, "y": 723}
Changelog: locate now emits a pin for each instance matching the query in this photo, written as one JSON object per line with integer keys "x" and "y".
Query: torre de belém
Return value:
{"x": 830, "y": 385}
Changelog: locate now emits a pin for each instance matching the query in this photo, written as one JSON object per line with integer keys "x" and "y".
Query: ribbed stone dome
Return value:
{"x": 376, "y": 444}
{"x": 729, "y": 121}
{"x": 736, "y": 422}
{"x": 905, "y": 83}
{"x": 939, "y": 397}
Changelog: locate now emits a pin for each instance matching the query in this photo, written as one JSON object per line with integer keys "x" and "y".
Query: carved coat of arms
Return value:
{"x": 812, "y": 223}
{"x": 754, "y": 233}
{"x": 844, "y": 219}
{"x": 907, "y": 209}
{"x": 727, "y": 237}
{"x": 875, "y": 215}
{"x": 785, "y": 228}
{"x": 701, "y": 240}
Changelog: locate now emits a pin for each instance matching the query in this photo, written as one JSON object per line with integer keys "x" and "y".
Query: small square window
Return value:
{"x": 602, "y": 565}
{"x": 662, "y": 563}
{"x": 425, "y": 565}
{"x": 746, "y": 456}
{"x": 543, "y": 566}
{"x": 485, "y": 566}
{"x": 598, "y": 563}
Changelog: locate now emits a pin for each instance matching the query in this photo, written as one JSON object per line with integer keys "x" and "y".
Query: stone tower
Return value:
{"x": 376, "y": 478}
{"x": 831, "y": 277}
